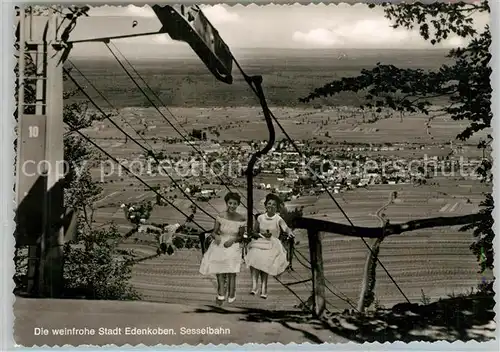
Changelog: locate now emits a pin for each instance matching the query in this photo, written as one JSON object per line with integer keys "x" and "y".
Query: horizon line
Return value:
{"x": 178, "y": 54}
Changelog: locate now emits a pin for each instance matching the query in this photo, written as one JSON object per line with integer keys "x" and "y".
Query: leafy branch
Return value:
{"x": 461, "y": 90}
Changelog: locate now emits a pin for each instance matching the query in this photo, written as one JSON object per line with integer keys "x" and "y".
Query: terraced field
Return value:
{"x": 437, "y": 264}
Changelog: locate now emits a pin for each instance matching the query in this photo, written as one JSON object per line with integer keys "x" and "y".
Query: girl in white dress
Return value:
{"x": 266, "y": 255}
{"x": 223, "y": 257}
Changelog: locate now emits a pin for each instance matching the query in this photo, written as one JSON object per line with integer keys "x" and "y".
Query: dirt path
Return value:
{"x": 384, "y": 207}
{"x": 239, "y": 325}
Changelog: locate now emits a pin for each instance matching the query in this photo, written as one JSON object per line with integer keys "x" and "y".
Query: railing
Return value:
{"x": 316, "y": 228}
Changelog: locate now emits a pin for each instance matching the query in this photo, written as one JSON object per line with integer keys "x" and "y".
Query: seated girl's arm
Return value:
{"x": 216, "y": 231}
{"x": 285, "y": 227}
{"x": 256, "y": 228}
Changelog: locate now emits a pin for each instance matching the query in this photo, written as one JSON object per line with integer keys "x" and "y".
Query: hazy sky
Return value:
{"x": 272, "y": 26}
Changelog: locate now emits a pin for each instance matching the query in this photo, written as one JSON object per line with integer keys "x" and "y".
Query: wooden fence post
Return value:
{"x": 367, "y": 294}
{"x": 318, "y": 278}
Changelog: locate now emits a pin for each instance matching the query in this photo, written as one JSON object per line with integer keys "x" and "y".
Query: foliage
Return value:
{"x": 198, "y": 134}
{"x": 138, "y": 214}
{"x": 169, "y": 237}
{"x": 424, "y": 299}
{"x": 290, "y": 215}
{"x": 464, "y": 85}
{"x": 96, "y": 265}
{"x": 483, "y": 233}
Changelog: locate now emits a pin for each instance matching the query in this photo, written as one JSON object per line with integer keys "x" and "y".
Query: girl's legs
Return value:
{"x": 255, "y": 279}
{"x": 221, "y": 286}
{"x": 231, "y": 278}
{"x": 263, "y": 279}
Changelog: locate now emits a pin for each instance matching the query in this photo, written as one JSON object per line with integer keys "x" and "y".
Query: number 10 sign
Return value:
{"x": 30, "y": 168}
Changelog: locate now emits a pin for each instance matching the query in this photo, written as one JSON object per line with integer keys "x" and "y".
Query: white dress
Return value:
{"x": 219, "y": 259}
{"x": 268, "y": 255}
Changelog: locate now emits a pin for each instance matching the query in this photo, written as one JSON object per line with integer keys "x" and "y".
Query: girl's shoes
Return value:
{"x": 263, "y": 295}
{"x": 231, "y": 299}
{"x": 253, "y": 292}
{"x": 219, "y": 300}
